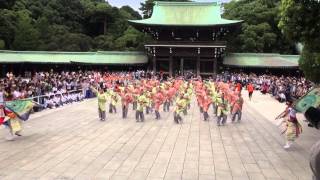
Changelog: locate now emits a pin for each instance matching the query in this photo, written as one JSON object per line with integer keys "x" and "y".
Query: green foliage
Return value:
{"x": 7, "y": 26}
{"x": 131, "y": 38}
{"x": 2, "y": 44}
{"x": 104, "y": 42}
{"x": 147, "y": 6}
{"x": 259, "y": 32}
{"x": 300, "y": 22}
{"x": 66, "y": 25}
{"x": 310, "y": 64}
{"x": 26, "y": 36}
{"x": 300, "y": 19}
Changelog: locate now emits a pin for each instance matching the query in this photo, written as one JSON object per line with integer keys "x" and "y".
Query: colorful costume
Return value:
{"x": 102, "y": 100}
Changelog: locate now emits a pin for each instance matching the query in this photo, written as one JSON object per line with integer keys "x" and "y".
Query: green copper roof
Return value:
{"x": 261, "y": 60}
{"x": 185, "y": 14}
{"x": 100, "y": 57}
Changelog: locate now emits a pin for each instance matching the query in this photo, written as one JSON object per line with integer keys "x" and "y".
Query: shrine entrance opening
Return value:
{"x": 184, "y": 65}
{"x": 190, "y": 65}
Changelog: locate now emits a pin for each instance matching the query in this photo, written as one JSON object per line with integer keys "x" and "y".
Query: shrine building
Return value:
{"x": 187, "y": 37}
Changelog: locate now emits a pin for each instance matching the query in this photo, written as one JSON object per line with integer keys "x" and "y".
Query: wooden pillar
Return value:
{"x": 170, "y": 65}
{"x": 181, "y": 66}
{"x": 215, "y": 67}
{"x": 4, "y": 70}
{"x": 198, "y": 65}
{"x": 154, "y": 64}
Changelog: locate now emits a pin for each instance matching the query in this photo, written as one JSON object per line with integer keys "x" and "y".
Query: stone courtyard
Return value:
{"x": 71, "y": 143}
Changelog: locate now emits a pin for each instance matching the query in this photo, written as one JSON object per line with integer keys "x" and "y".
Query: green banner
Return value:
{"x": 311, "y": 99}
{"x": 21, "y": 108}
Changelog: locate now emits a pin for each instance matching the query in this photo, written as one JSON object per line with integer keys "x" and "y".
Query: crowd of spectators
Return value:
{"x": 282, "y": 88}
{"x": 49, "y": 89}
{"x": 52, "y": 89}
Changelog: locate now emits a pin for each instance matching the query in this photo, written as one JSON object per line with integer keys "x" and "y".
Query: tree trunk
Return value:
{"x": 105, "y": 25}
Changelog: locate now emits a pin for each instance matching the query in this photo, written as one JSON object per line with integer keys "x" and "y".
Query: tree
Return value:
{"x": 104, "y": 43}
{"x": 26, "y": 36}
{"x": 134, "y": 14}
{"x": 259, "y": 31}
{"x": 147, "y": 7}
{"x": 300, "y": 22}
{"x": 2, "y": 44}
{"x": 64, "y": 25}
{"x": 6, "y": 4}
{"x": 76, "y": 42}
{"x": 310, "y": 63}
{"x": 7, "y": 27}
{"x": 131, "y": 39}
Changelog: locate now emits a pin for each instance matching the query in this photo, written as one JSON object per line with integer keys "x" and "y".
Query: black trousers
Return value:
{"x": 134, "y": 105}
{"x": 139, "y": 116}
{"x": 112, "y": 108}
{"x": 166, "y": 106}
{"x": 124, "y": 111}
{"x": 205, "y": 116}
{"x": 177, "y": 118}
{"x": 157, "y": 114}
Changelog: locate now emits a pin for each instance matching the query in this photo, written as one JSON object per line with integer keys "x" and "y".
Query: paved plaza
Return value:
{"x": 71, "y": 143}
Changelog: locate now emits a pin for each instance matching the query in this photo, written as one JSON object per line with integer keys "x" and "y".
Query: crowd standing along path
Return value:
{"x": 71, "y": 143}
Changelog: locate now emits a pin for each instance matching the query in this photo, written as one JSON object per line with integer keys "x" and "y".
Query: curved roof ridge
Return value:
{"x": 46, "y": 52}
{"x": 256, "y": 54}
{"x": 170, "y": 3}
{"x": 186, "y": 14}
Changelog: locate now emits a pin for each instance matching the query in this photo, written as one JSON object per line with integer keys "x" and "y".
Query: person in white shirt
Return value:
{"x": 16, "y": 94}
{"x": 48, "y": 103}
{"x": 57, "y": 100}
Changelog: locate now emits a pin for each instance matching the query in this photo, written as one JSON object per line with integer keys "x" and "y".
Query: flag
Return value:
{"x": 311, "y": 99}
{"x": 22, "y": 108}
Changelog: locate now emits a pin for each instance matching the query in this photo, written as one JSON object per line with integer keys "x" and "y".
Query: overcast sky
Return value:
{"x": 136, "y": 3}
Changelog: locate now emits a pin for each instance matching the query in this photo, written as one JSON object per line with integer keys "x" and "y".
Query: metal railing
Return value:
{"x": 38, "y": 98}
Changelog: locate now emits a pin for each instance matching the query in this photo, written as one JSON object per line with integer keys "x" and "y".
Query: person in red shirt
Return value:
{"x": 205, "y": 106}
{"x": 250, "y": 89}
{"x": 237, "y": 108}
{"x": 158, "y": 99}
{"x": 238, "y": 87}
{"x": 126, "y": 99}
{"x": 2, "y": 115}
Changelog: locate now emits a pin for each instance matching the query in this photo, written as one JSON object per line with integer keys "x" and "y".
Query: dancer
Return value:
{"x": 12, "y": 123}
{"x": 250, "y": 89}
{"x": 222, "y": 114}
{"x": 113, "y": 102}
{"x": 158, "y": 101}
{"x": 237, "y": 108}
{"x": 102, "y": 100}
{"x": 205, "y": 106}
{"x": 126, "y": 99}
{"x": 141, "y": 103}
{"x": 180, "y": 105}
{"x": 292, "y": 126}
